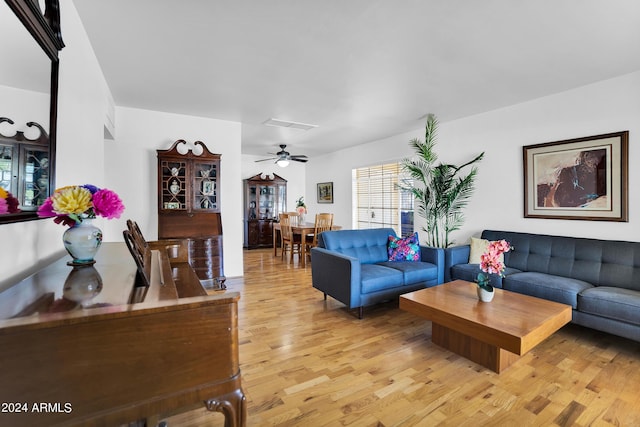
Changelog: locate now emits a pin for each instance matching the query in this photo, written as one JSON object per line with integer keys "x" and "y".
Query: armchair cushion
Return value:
{"x": 375, "y": 277}
{"x": 414, "y": 271}
{"x": 368, "y": 246}
{"x": 404, "y": 248}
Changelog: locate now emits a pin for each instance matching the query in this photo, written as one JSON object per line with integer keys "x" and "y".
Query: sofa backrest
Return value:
{"x": 599, "y": 262}
{"x": 369, "y": 246}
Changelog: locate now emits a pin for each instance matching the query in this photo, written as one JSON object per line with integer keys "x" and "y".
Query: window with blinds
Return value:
{"x": 379, "y": 201}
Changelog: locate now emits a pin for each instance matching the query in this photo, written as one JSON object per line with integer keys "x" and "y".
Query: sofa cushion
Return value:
{"x": 403, "y": 248}
{"x": 554, "y": 288}
{"x": 469, "y": 272}
{"x": 614, "y": 303}
{"x": 414, "y": 271}
{"x": 376, "y": 277}
{"x": 369, "y": 246}
{"x": 477, "y": 248}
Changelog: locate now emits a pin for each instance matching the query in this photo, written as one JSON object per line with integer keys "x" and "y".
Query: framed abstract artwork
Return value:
{"x": 325, "y": 192}
{"x": 583, "y": 178}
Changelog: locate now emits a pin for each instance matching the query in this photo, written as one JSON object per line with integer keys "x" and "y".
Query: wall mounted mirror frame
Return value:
{"x": 44, "y": 27}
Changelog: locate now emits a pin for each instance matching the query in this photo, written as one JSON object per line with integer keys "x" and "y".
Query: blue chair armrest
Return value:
{"x": 455, "y": 255}
{"x": 336, "y": 275}
{"x": 434, "y": 256}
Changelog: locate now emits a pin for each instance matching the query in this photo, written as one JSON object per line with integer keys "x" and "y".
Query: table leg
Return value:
{"x": 490, "y": 356}
{"x": 303, "y": 250}
{"x": 275, "y": 246}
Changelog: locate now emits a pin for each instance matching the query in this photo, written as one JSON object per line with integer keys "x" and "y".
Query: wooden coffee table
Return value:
{"x": 493, "y": 334}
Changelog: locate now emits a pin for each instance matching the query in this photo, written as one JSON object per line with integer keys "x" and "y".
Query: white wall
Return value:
{"x": 23, "y": 106}
{"x": 608, "y": 106}
{"x": 131, "y": 171}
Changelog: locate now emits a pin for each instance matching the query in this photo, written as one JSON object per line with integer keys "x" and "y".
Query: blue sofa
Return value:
{"x": 352, "y": 266}
{"x": 599, "y": 279}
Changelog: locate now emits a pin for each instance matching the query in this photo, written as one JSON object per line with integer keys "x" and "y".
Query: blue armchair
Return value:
{"x": 353, "y": 267}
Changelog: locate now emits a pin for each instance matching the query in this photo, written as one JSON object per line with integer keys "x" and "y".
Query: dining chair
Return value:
{"x": 293, "y": 220}
{"x": 294, "y": 217}
{"x": 324, "y": 222}
{"x": 290, "y": 241}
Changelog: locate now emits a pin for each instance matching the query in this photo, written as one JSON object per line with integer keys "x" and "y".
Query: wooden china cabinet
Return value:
{"x": 189, "y": 205}
{"x": 265, "y": 198}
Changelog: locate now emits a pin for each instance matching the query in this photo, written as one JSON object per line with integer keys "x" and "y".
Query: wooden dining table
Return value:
{"x": 301, "y": 229}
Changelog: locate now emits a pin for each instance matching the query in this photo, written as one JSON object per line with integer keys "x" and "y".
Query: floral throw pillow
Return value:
{"x": 404, "y": 249}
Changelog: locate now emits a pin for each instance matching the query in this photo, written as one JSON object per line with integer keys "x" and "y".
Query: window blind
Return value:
{"x": 379, "y": 201}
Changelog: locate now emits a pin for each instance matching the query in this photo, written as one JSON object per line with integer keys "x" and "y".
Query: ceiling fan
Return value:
{"x": 284, "y": 157}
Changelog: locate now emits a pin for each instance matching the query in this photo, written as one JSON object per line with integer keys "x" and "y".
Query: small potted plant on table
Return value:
{"x": 491, "y": 262}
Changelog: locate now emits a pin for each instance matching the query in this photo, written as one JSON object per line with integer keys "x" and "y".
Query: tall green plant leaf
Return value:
{"x": 440, "y": 191}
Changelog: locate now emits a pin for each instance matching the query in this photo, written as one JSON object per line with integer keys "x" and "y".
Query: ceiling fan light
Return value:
{"x": 283, "y": 163}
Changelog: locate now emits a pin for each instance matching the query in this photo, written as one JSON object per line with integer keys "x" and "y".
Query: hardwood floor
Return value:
{"x": 306, "y": 361}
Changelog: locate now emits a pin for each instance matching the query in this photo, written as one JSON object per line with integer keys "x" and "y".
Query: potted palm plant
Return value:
{"x": 441, "y": 191}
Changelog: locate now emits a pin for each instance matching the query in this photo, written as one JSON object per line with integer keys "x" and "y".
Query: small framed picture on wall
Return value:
{"x": 325, "y": 192}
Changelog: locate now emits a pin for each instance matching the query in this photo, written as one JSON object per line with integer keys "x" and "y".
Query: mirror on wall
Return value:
{"x": 30, "y": 31}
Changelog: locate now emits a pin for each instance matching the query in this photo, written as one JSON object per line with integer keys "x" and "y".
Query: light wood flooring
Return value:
{"x": 309, "y": 362}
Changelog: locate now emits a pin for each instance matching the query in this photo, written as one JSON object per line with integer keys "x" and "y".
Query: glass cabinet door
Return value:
{"x": 6, "y": 168}
{"x": 24, "y": 172}
{"x": 267, "y": 196}
{"x": 205, "y": 188}
{"x": 252, "y": 203}
{"x": 34, "y": 189}
{"x": 172, "y": 193}
{"x": 282, "y": 198}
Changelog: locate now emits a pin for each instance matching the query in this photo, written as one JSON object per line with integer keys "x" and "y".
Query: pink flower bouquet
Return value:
{"x": 492, "y": 262}
{"x": 301, "y": 208}
{"x": 70, "y": 205}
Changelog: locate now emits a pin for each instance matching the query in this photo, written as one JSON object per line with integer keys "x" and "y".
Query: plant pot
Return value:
{"x": 484, "y": 295}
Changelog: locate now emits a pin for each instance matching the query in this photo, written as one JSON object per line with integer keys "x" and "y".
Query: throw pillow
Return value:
{"x": 478, "y": 247}
{"x": 404, "y": 249}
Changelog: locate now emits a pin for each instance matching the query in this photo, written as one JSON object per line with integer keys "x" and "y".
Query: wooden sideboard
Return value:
{"x": 77, "y": 350}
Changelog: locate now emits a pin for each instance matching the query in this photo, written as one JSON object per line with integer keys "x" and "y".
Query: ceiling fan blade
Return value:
{"x": 299, "y": 156}
{"x": 264, "y": 160}
{"x": 295, "y": 159}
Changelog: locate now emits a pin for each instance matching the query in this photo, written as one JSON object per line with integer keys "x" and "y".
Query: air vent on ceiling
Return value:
{"x": 289, "y": 124}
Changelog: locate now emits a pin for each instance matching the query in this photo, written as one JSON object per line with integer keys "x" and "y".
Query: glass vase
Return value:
{"x": 82, "y": 241}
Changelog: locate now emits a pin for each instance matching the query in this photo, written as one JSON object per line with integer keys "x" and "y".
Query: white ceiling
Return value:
{"x": 359, "y": 69}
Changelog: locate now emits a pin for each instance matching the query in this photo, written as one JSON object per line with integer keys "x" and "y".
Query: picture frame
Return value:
{"x": 325, "y": 192}
{"x": 578, "y": 179}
